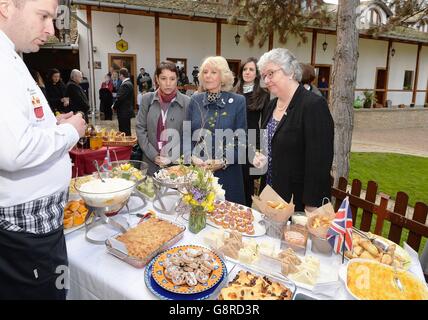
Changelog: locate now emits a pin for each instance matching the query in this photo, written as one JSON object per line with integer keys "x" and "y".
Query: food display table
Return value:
{"x": 96, "y": 274}
{"x": 83, "y": 158}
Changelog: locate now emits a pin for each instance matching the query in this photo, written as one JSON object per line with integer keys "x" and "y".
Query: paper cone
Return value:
{"x": 273, "y": 206}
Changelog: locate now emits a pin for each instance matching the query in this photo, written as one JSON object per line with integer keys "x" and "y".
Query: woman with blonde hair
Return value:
{"x": 299, "y": 134}
{"x": 221, "y": 115}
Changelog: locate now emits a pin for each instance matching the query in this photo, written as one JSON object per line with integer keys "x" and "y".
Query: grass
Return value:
{"x": 393, "y": 173}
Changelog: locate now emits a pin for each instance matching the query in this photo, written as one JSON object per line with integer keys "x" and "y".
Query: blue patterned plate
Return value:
{"x": 163, "y": 294}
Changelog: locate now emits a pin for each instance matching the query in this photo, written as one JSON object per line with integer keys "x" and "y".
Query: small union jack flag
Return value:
{"x": 106, "y": 166}
{"x": 341, "y": 226}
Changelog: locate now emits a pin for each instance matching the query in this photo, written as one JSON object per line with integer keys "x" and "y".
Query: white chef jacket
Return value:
{"x": 34, "y": 160}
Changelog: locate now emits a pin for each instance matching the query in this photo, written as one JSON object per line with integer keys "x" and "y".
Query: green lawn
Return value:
{"x": 393, "y": 173}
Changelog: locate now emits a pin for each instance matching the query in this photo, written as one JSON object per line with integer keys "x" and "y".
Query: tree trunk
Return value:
{"x": 343, "y": 85}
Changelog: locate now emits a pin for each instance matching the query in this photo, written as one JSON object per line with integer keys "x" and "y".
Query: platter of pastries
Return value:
{"x": 235, "y": 217}
{"x": 75, "y": 213}
{"x": 365, "y": 249}
{"x": 248, "y": 285}
{"x": 187, "y": 269}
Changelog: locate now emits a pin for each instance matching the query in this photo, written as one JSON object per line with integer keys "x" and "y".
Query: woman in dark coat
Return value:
{"x": 106, "y": 98}
{"x": 299, "y": 134}
{"x": 55, "y": 90}
{"x": 214, "y": 110}
{"x": 256, "y": 99}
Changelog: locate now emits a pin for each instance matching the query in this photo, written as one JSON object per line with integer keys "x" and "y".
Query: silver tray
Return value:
{"x": 177, "y": 185}
{"x": 140, "y": 263}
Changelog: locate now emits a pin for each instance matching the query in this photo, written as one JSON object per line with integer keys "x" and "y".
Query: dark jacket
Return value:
{"x": 124, "y": 104}
{"x": 228, "y": 113}
{"x": 302, "y": 149}
{"x": 55, "y": 92}
{"x": 78, "y": 99}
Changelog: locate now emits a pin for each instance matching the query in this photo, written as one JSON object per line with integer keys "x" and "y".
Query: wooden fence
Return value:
{"x": 416, "y": 226}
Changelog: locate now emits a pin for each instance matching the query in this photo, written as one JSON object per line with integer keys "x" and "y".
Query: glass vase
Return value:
{"x": 197, "y": 219}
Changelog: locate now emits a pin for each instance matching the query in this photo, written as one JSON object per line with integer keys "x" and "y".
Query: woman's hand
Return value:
{"x": 162, "y": 161}
{"x": 310, "y": 209}
{"x": 198, "y": 161}
{"x": 260, "y": 160}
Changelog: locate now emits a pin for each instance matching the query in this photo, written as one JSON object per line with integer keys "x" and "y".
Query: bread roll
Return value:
{"x": 367, "y": 255}
{"x": 358, "y": 250}
{"x": 386, "y": 259}
{"x": 368, "y": 246}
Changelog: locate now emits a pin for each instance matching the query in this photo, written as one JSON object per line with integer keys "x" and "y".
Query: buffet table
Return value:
{"x": 96, "y": 274}
{"x": 83, "y": 158}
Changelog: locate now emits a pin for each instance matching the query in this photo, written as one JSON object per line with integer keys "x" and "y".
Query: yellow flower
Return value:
{"x": 193, "y": 202}
{"x": 211, "y": 197}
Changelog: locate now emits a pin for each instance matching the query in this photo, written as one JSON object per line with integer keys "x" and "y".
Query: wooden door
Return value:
{"x": 322, "y": 80}
{"x": 128, "y": 61}
{"x": 380, "y": 86}
{"x": 234, "y": 66}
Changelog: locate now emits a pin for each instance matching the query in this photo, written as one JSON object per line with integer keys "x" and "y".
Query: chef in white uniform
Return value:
{"x": 35, "y": 168}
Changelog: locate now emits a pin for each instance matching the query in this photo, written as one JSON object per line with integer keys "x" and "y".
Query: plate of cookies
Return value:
{"x": 188, "y": 269}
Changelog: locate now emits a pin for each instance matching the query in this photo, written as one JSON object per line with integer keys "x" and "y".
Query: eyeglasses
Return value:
{"x": 269, "y": 74}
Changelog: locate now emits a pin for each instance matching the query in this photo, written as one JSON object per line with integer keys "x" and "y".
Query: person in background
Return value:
{"x": 124, "y": 104}
{"x": 39, "y": 80}
{"x": 85, "y": 85}
{"x": 299, "y": 135}
{"x": 218, "y": 108}
{"x": 323, "y": 85}
{"x": 116, "y": 83}
{"x": 78, "y": 99}
{"x": 106, "y": 97}
{"x": 308, "y": 76}
{"x": 256, "y": 99}
{"x": 35, "y": 167}
{"x": 55, "y": 90}
{"x": 160, "y": 110}
{"x": 144, "y": 81}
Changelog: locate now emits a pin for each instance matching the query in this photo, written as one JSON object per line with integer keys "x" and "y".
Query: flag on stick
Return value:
{"x": 340, "y": 232}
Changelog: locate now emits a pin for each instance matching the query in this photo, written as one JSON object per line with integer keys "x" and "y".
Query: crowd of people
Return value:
{"x": 292, "y": 152}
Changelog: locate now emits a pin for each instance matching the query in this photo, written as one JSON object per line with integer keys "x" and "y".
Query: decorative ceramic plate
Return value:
{"x": 163, "y": 294}
{"x": 160, "y": 278}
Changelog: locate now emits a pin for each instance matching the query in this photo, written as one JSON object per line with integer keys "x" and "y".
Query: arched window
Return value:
{"x": 374, "y": 17}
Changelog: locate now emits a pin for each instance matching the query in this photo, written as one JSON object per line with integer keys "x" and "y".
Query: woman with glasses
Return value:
{"x": 218, "y": 127}
{"x": 256, "y": 99}
{"x": 299, "y": 133}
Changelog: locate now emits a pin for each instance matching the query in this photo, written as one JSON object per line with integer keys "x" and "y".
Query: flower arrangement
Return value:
{"x": 200, "y": 195}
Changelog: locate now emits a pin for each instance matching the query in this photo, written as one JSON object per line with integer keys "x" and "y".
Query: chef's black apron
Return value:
{"x": 28, "y": 265}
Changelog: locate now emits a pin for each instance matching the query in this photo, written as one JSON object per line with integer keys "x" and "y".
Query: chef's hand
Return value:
{"x": 260, "y": 160}
{"x": 63, "y": 116}
{"x": 77, "y": 122}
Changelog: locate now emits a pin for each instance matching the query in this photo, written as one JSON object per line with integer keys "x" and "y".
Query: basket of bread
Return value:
{"x": 115, "y": 138}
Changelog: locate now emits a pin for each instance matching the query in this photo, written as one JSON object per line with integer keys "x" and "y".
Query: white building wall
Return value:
{"x": 324, "y": 57}
{"x": 404, "y": 59}
{"x": 139, "y": 32}
{"x": 197, "y": 40}
{"x": 185, "y": 39}
{"x": 372, "y": 56}
{"x": 423, "y": 76}
{"x": 302, "y": 52}
{"x": 230, "y": 50}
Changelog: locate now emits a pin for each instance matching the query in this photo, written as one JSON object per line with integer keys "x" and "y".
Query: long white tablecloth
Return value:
{"x": 96, "y": 274}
